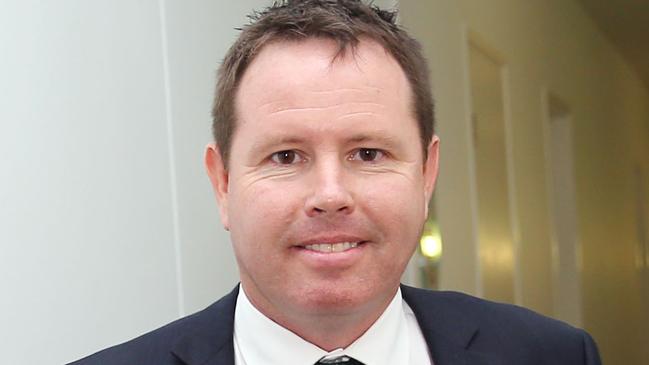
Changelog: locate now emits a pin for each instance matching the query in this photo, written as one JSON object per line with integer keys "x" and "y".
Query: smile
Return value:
{"x": 332, "y": 247}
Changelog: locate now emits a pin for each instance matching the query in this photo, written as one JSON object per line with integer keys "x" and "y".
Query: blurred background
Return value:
{"x": 108, "y": 226}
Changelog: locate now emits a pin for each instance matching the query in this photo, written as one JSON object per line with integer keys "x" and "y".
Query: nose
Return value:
{"x": 330, "y": 193}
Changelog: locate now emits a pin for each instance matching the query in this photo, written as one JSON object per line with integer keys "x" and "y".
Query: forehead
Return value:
{"x": 310, "y": 71}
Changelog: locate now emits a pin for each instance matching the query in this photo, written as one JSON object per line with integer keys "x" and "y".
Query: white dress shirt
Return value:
{"x": 395, "y": 338}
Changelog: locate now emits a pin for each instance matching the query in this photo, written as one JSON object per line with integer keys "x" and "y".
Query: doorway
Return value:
{"x": 496, "y": 251}
{"x": 566, "y": 251}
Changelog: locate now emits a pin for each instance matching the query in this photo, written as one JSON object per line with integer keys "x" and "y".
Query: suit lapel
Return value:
{"x": 448, "y": 333}
{"x": 210, "y": 341}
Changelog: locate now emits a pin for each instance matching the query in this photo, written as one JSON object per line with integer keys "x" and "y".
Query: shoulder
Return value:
{"x": 156, "y": 347}
{"x": 484, "y": 313}
{"x": 510, "y": 329}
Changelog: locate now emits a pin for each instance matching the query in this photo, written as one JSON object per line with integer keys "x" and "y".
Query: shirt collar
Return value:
{"x": 262, "y": 341}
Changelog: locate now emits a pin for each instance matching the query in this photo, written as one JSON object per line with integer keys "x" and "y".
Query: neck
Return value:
{"x": 328, "y": 330}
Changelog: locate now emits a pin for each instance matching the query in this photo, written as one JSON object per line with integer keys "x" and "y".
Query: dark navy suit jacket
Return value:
{"x": 459, "y": 330}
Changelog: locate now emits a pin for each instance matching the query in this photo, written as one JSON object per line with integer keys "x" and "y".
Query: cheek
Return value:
{"x": 261, "y": 210}
{"x": 395, "y": 201}
{"x": 396, "y": 206}
{"x": 259, "y": 215}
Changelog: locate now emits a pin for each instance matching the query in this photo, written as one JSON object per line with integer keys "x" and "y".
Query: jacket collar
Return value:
{"x": 448, "y": 332}
{"x": 210, "y": 340}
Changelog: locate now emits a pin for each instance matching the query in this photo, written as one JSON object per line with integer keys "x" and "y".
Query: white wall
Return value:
{"x": 107, "y": 224}
{"x": 198, "y": 34}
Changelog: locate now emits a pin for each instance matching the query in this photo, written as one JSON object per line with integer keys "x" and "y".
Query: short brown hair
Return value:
{"x": 344, "y": 21}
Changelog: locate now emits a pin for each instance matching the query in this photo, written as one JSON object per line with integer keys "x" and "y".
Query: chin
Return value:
{"x": 334, "y": 299}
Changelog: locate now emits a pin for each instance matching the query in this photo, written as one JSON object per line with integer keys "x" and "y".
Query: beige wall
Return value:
{"x": 547, "y": 45}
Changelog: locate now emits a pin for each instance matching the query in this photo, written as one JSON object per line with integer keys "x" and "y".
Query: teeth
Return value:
{"x": 329, "y": 247}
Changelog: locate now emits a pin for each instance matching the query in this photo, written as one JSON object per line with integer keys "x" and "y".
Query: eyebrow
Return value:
{"x": 377, "y": 137}
{"x": 273, "y": 141}
{"x": 269, "y": 142}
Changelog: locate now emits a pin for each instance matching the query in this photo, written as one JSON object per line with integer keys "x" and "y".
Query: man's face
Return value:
{"x": 326, "y": 190}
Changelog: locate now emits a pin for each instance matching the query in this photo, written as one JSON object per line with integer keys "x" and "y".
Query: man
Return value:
{"x": 324, "y": 162}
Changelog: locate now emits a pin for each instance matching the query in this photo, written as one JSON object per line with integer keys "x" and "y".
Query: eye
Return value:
{"x": 286, "y": 157}
{"x": 367, "y": 154}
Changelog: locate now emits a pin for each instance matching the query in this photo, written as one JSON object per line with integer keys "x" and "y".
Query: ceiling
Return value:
{"x": 626, "y": 23}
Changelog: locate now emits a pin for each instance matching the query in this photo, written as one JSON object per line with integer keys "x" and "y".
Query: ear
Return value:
{"x": 431, "y": 167}
{"x": 219, "y": 177}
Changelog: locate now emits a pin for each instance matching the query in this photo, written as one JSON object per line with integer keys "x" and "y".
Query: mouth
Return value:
{"x": 327, "y": 246}
{"x": 328, "y": 253}
{"x": 332, "y": 247}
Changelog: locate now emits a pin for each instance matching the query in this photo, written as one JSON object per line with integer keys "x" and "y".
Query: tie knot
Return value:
{"x": 342, "y": 360}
